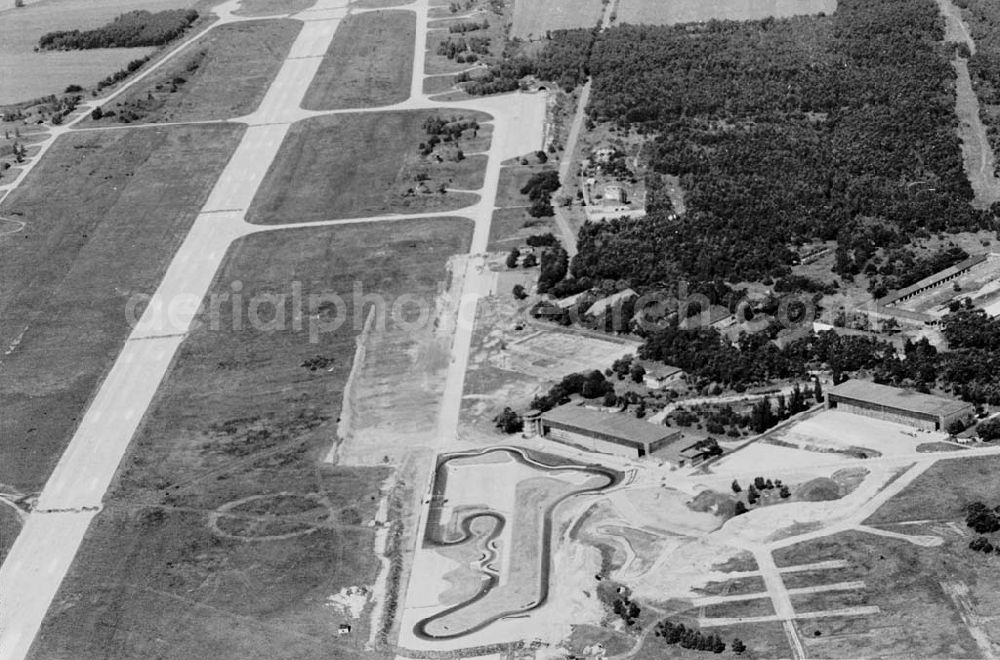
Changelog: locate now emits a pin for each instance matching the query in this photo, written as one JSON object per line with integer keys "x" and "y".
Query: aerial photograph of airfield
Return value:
{"x": 505, "y": 329}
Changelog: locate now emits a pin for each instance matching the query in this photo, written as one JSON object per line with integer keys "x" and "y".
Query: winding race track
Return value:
{"x": 434, "y": 535}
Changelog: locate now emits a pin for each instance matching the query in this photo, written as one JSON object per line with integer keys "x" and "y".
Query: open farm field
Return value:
{"x": 224, "y": 508}
{"x": 27, "y": 75}
{"x": 272, "y": 7}
{"x": 362, "y": 165}
{"x": 922, "y": 594}
{"x": 379, "y": 4}
{"x": 369, "y": 63}
{"x": 224, "y": 75}
{"x": 533, "y": 18}
{"x": 658, "y": 12}
{"x": 103, "y": 214}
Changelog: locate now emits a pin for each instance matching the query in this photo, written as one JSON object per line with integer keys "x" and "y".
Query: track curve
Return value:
{"x": 433, "y": 528}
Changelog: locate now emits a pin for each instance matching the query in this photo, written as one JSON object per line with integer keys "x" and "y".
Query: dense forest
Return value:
{"x": 133, "y": 29}
{"x": 782, "y": 131}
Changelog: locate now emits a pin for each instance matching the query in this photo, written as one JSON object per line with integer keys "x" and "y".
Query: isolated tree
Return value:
{"x": 530, "y": 261}
{"x": 818, "y": 391}
{"x": 981, "y": 544}
{"x": 989, "y": 430}
{"x": 519, "y": 292}
{"x": 785, "y": 492}
{"x": 637, "y": 372}
{"x": 509, "y": 421}
{"x": 738, "y": 646}
{"x": 96, "y": 113}
{"x": 758, "y": 483}
{"x": 512, "y": 258}
{"x": 741, "y": 508}
{"x": 736, "y": 486}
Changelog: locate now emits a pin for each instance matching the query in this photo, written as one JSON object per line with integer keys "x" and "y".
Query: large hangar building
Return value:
{"x": 610, "y": 433}
{"x": 924, "y": 411}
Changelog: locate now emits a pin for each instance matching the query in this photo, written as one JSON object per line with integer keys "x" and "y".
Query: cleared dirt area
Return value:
{"x": 916, "y": 617}
{"x": 223, "y": 75}
{"x": 369, "y": 63}
{"x": 657, "y": 12}
{"x": 224, "y": 507}
{"x": 102, "y": 217}
{"x": 533, "y": 18}
{"x": 362, "y": 165}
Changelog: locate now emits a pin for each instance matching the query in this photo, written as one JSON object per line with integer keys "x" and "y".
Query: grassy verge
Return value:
{"x": 241, "y": 420}
{"x": 916, "y": 618}
{"x": 511, "y": 222}
{"x": 943, "y": 491}
{"x": 369, "y": 63}
{"x": 224, "y": 75}
{"x": 272, "y": 7}
{"x": 103, "y": 215}
{"x": 361, "y": 165}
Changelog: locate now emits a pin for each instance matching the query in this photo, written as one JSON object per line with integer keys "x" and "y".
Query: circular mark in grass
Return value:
{"x": 271, "y": 517}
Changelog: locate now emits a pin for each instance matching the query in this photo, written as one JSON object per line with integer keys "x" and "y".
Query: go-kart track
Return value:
{"x": 48, "y": 542}
{"x": 438, "y": 626}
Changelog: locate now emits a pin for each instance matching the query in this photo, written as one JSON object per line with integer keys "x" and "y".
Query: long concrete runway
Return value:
{"x": 43, "y": 552}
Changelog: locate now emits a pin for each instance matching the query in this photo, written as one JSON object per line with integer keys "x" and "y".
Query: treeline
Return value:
{"x": 564, "y": 60}
{"x": 692, "y": 638}
{"x": 134, "y": 29}
{"x": 122, "y": 74}
{"x": 902, "y": 267}
{"x": 970, "y": 369}
{"x": 783, "y": 132}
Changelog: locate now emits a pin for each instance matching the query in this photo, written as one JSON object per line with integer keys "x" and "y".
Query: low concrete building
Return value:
{"x": 614, "y": 195}
{"x": 893, "y": 404}
{"x": 658, "y": 375}
{"x": 621, "y": 434}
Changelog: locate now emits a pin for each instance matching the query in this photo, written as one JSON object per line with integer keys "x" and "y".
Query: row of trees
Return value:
{"x": 590, "y": 385}
{"x": 134, "y": 29}
{"x": 539, "y": 189}
{"x": 692, "y": 638}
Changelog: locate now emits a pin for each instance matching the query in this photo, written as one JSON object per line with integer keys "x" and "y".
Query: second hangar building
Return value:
{"x": 924, "y": 411}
